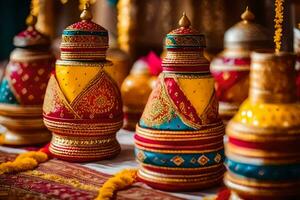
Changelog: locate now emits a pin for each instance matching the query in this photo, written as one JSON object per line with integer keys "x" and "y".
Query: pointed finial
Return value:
{"x": 184, "y": 21}
{"x": 31, "y": 20}
{"x": 86, "y": 13}
{"x": 247, "y": 15}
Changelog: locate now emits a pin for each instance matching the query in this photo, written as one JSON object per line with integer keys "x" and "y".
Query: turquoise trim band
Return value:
{"x": 175, "y": 124}
{"x": 180, "y": 160}
{"x": 6, "y": 95}
{"x": 73, "y": 33}
{"x": 264, "y": 172}
{"x": 185, "y": 41}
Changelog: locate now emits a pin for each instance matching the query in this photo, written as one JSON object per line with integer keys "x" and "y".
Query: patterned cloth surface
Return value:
{"x": 57, "y": 179}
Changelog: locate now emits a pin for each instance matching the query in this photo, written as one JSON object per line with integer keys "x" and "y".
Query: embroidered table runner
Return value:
{"x": 62, "y": 180}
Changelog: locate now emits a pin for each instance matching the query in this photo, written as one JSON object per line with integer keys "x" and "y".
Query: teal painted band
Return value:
{"x": 186, "y": 41}
{"x": 6, "y": 95}
{"x": 180, "y": 160}
{"x": 264, "y": 172}
{"x": 73, "y": 33}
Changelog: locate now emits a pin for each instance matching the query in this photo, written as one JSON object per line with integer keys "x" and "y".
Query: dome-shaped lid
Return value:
{"x": 247, "y": 34}
{"x": 84, "y": 40}
{"x": 183, "y": 47}
{"x": 31, "y": 37}
{"x": 185, "y": 36}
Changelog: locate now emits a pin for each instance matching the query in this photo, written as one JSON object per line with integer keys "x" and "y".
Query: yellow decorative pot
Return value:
{"x": 263, "y": 148}
{"x": 135, "y": 90}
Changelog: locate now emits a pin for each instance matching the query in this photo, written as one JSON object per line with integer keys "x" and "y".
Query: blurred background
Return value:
{"x": 138, "y": 27}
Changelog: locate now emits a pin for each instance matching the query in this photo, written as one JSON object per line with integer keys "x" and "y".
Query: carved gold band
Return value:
{"x": 22, "y": 123}
{"x": 84, "y": 151}
{"x": 259, "y": 153}
{"x": 217, "y": 166}
{"x": 235, "y": 154}
{"x": 21, "y": 111}
{"x": 252, "y": 187}
{"x": 188, "y": 135}
{"x": 254, "y": 134}
{"x": 185, "y": 181}
{"x": 79, "y": 129}
{"x": 183, "y": 176}
{"x": 81, "y": 141}
{"x": 193, "y": 135}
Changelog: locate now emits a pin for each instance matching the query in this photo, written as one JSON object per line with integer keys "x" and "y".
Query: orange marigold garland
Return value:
{"x": 120, "y": 181}
{"x": 25, "y": 161}
{"x": 278, "y": 23}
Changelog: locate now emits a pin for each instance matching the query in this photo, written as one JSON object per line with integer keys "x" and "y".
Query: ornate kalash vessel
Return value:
{"x": 179, "y": 138}
{"x": 231, "y": 67}
{"x": 83, "y": 106}
{"x": 263, "y": 149}
{"x": 135, "y": 90}
{"x": 23, "y": 87}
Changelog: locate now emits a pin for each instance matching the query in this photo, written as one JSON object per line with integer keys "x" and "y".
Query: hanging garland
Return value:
{"x": 278, "y": 24}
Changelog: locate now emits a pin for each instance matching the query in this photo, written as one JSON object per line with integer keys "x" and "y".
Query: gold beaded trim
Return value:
{"x": 88, "y": 152}
{"x": 71, "y": 141}
{"x": 187, "y": 176}
{"x": 86, "y": 129}
{"x": 185, "y": 181}
{"x": 189, "y": 137}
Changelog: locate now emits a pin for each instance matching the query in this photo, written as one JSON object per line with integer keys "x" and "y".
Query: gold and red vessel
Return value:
{"x": 135, "y": 90}
{"x": 23, "y": 88}
{"x": 179, "y": 138}
{"x": 83, "y": 106}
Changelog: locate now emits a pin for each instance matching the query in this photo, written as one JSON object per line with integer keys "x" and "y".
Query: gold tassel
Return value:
{"x": 119, "y": 181}
{"x": 25, "y": 161}
{"x": 278, "y": 24}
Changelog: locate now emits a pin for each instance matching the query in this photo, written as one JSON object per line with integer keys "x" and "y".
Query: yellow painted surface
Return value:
{"x": 198, "y": 92}
{"x": 268, "y": 115}
{"x": 73, "y": 79}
